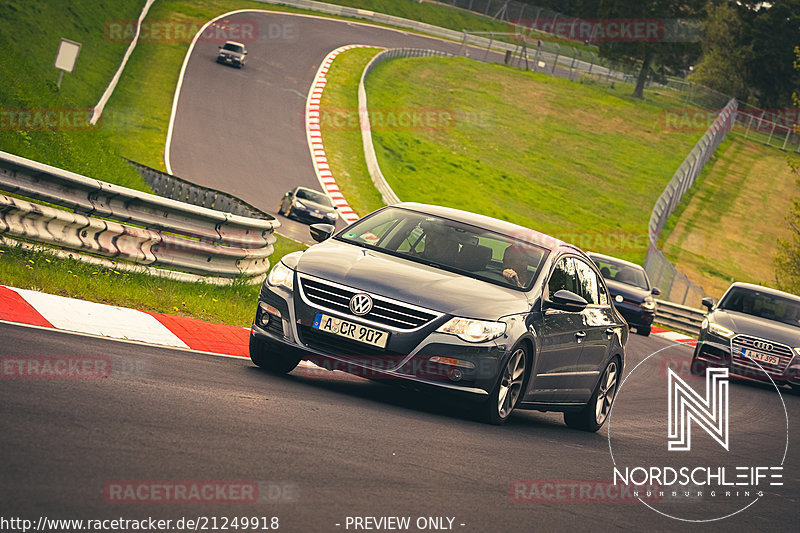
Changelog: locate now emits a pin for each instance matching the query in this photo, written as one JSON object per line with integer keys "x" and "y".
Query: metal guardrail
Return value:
{"x": 675, "y": 285}
{"x": 681, "y": 317}
{"x": 179, "y": 189}
{"x": 116, "y": 222}
{"x": 387, "y": 194}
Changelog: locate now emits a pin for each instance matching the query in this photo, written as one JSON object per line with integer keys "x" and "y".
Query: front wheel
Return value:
{"x": 592, "y": 417}
{"x": 271, "y": 360}
{"x": 506, "y": 394}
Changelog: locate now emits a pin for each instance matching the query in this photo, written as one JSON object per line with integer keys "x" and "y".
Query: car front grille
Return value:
{"x": 385, "y": 312}
{"x": 783, "y": 352}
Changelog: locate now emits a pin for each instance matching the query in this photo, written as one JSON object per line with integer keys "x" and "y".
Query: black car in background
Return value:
{"x": 439, "y": 298}
{"x": 755, "y": 332}
{"x": 308, "y": 205}
{"x": 232, "y": 53}
{"x": 630, "y": 289}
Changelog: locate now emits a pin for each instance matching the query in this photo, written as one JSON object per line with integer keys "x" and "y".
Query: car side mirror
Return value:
{"x": 656, "y": 291}
{"x": 567, "y": 301}
{"x": 245, "y": 53}
{"x": 321, "y": 232}
{"x": 709, "y": 302}
{"x": 220, "y": 47}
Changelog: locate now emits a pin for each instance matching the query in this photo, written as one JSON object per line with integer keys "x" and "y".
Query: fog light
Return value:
{"x": 265, "y": 310}
{"x": 455, "y": 374}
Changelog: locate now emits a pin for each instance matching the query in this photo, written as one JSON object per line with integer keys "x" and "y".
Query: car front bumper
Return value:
{"x": 411, "y": 358}
{"x": 715, "y": 351}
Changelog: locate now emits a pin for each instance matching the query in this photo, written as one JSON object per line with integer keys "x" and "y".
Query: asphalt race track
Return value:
{"x": 242, "y": 131}
{"x": 325, "y": 448}
{"x": 326, "y": 445}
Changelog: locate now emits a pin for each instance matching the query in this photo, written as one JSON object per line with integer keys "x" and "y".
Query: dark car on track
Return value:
{"x": 308, "y": 205}
{"x": 630, "y": 290}
{"x": 753, "y": 331}
{"x": 232, "y": 53}
{"x": 439, "y": 298}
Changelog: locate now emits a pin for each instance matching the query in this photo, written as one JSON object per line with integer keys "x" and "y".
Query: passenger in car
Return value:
{"x": 440, "y": 246}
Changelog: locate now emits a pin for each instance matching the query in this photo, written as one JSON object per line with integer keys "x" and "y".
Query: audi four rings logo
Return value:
{"x": 761, "y": 345}
{"x": 361, "y": 304}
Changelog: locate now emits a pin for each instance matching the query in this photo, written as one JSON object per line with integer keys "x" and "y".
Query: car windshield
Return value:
{"x": 233, "y": 47}
{"x": 622, "y": 272}
{"x": 450, "y": 245}
{"x": 763, "y": 305}
{"x": 314, "y": 196}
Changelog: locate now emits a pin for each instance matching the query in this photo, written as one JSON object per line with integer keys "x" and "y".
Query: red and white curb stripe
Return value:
{"x": 68, "y": 314}
{"x": 673, "y": 336}
{"x": 314, "y": 136}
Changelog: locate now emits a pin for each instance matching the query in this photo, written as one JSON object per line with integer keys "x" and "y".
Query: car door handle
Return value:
{"x": 609, "y": 331}
{"x": 580, "y": 334}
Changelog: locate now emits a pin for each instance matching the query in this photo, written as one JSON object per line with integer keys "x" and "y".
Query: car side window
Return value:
{"x": 590, "y": 285}
{"x": 563, "y": 277}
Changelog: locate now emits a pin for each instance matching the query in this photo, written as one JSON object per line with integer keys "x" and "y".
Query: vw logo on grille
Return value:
{"x": 759, "y": 345}
{"x": 360, "y": 304}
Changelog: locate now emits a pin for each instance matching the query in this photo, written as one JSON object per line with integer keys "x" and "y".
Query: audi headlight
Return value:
{"x": 797, "y": 351}
{"x": 473, "y": 330}
{"x": 716, "y": 329}
{"x": 281, "y": 276}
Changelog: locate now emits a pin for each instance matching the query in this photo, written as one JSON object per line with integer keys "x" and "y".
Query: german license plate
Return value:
{"x": 351, "y": 330}
{"x": 761, "y": 357}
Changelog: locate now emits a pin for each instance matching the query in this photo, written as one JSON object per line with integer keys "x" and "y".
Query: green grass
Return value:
{"x": 727, "y": 229}
{"x": 580, "y": 161}
{"x": 341, "y": 131}
{"x": 29, "y": 36}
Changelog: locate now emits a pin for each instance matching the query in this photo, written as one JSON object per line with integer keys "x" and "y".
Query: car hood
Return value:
{"x": 629, "y": 292}
{"x": 407, "y": 281}
{"x": 757, "y": 327}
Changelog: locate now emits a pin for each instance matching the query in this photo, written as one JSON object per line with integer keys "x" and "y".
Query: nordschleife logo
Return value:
{"x": 710, "y": 413}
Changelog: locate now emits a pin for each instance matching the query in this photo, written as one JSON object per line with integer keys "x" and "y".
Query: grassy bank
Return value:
{"x": 727, "y": 229}
{"x": 582, "y": 162}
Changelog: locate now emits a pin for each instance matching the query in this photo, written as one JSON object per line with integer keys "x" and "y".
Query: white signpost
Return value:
{"x": 66, "y": 57}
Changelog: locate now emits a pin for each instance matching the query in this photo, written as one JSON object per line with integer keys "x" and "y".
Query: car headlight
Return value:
{"x": 473, "y": 330}
{"x": 298, "y": 204}
{"x": 716, "y": 329}
{"x": 281, "y": 276}
{"x": 797, "y": 351}
{"x": 649, "y": 305}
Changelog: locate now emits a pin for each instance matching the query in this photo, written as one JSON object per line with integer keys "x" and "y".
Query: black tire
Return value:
{"x": 508, "y": 391}
{"x": 593, "y": 416}
{"x": 643, "y": 330}
{"x": 269, "y": 359}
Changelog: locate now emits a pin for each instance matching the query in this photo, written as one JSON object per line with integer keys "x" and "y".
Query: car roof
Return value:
{"x": 615, "y": 259}
{"x": 490, "y": 223}
{"x": 234, "y": 42}
{"x": 761, "y": 288}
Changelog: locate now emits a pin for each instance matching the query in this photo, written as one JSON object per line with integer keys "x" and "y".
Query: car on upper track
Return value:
{"x": 439, "y": 298}
{"x": 308, "y": 205}
{"x": 232, "y": 53}
{"x": 630, "y": 289}
{"x": 753, "y": 331}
